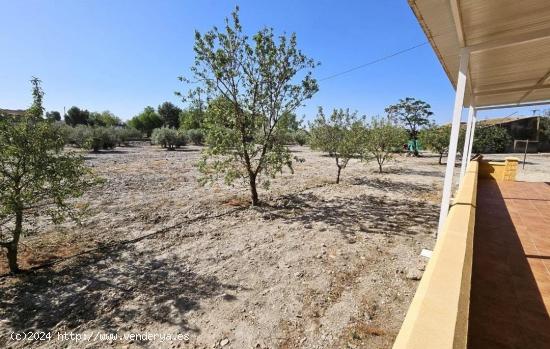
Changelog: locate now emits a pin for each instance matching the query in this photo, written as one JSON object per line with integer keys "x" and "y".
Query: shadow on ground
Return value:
{"x": 393, "y": 185}
{"x": 364, "y": 214}
{"x": 107, "y": 290}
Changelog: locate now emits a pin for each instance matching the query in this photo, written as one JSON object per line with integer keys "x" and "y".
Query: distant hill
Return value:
{"x": 15, "y": 112}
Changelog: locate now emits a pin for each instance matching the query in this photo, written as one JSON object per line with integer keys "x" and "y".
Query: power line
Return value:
{"x": 374, "y": 61}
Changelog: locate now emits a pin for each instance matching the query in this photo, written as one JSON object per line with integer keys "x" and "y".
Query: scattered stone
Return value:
{"x": 224, "y": 342}
{"x": 414, "y": 274}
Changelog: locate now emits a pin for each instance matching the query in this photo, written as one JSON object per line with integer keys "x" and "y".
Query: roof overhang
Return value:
{"x": 508, "y": 42}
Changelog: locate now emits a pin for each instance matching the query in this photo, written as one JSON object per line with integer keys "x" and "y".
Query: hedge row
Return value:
{"x": 97, "y": 138}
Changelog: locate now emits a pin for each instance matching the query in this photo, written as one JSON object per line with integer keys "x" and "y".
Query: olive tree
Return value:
{"x": 36, "y": 176}
{"x": 413, "y": 114}
{"x": 254, "y": 81}
{"x": 382, "y": 140}
{"x": 168, "y": 138}
{"x": 437, "y": 139}
{"x": 340, "y": 135}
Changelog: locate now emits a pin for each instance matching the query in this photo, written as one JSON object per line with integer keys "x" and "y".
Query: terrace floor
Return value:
{"x": 510, "y": 295}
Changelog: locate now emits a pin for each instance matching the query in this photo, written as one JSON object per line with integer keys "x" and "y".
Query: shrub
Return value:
{"x": 64, "y": 130}
{"x": 127, "y": 134}
{"x": 196, "y": 136}
{"x": 490, "y": 139}
{"x": 93, "y": 138}
{"x": 99, "y": 138}
{"x": 300, "y": 137}
{"x": 168, "y": 138}
{"x": 79, "y": 135}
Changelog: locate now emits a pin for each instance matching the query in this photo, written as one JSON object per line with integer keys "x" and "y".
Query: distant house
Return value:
{"x": 521, "y": 129}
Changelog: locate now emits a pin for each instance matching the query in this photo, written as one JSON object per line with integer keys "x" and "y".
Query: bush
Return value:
{"x": 300, "y": 137}
{"x": 64, "y": 130}
{"x": 93, "y": 138}
{"x": 196, "y": 136}
{"x": 127, "y": 134}
{"x": 491, "y": 139}
{"x": 168, "y": 138}
{"x": 107, "y": 137}
{"x": 79, "y": 135}
{"x": 100, "y": 138}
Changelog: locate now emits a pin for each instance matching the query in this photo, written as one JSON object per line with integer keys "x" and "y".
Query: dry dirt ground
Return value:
{"x": 319, "y": 265}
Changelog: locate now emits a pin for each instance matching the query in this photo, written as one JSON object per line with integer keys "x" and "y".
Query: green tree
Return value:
{"x": 437, "y": 139}
{"x": 146, "y": 121}
{"x": 340, "y": 136}
{"x": 300, "y": 137}
{"x": 105, "y": 118}
{"x": 253, "y": 84}
{"x": 413, "y": 114}
{"x": 383, "y": 138}
{"x": 192, "y": 118}
{"x": 53, "y": 115}
{"x": 490, "y": 139}
{"x": 169, "y": 114}
{"x": 76, "y": 116}
{"x": 291, "y": 124}
{"x": 36, "y": 176}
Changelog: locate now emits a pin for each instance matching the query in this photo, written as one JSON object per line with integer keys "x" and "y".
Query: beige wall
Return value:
{"x": 499, "y": 171}
{"x": 438, "y": 315}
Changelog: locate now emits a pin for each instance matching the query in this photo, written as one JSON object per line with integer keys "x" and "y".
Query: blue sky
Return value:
{"x": 124, "y": 55}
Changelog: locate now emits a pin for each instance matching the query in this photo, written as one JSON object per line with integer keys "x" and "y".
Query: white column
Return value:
{"x": 465, "y": 158}
{"x": 451, "y": 158}
{"x": 471, "y": 142}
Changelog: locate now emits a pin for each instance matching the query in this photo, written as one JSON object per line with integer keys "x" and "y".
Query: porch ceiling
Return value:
{"x": 508, "y": 41}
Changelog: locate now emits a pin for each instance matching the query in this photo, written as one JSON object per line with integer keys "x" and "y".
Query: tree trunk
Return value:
{"x": 415, "y": 145}
{"x": 338, "y": 175}
{"x": 440, "y": 157}
{"x": 253, "y": 190}
{"x": 13, "y": 245}
{"x": 380, "y": 167}
{"x": 12, "y": 258}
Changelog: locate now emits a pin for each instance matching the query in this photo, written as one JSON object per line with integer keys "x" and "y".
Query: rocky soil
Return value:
{"x": 319, "y": 265}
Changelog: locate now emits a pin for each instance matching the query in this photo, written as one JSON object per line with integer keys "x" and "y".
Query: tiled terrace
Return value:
{"x": 510, "y": 292}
